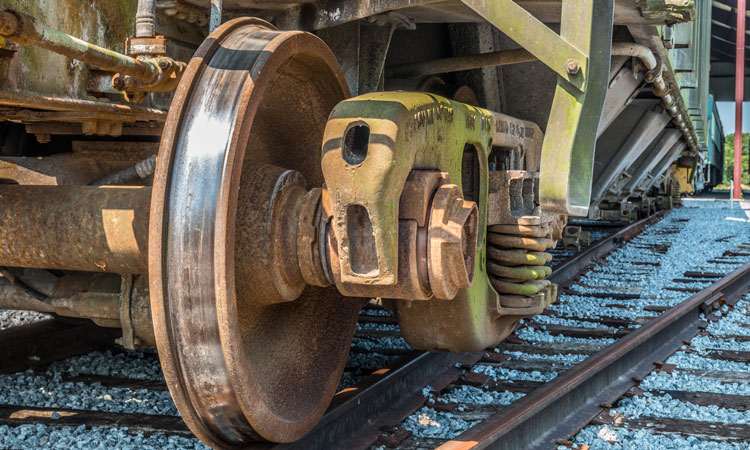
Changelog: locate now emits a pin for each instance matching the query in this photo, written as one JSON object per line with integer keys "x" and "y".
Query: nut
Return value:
{"x": 572, "y": 66}
{"x": 451, "y": 242}
{"x": 8, "y": 23}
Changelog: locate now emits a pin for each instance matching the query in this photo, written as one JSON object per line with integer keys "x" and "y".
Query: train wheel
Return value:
{"x": 241, "y": 370}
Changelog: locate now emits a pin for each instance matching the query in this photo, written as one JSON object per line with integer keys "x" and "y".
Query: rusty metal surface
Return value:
{"x": 451, "y": 242}
{"x": 513, "y": 195}
{"x": 513, "y": 133}
{"x": 413, "y": 281}
{"x": 34, "y": 77}
{"x": 309, "y": 240}
{"x": 127, "y": 113}
{"x": 559, "y": 408}
{"x": 239, "y": 371}
{"x": 388, "y": 154}
{"x": 134, "y": 77}
{"x": 368, "y": 164}
{"x": 86, "y": 296}
{"x": 375, "y": 182}
{"x": 519, "y": 235}
{"x": 458, "y": 63}
{"x": 318, "y": 14}
{"x": 60, "y": 169}
{"x": 437, "y": 242}
{"x": 75, "y": 228}
{"x": 41, "y": 72}
{"x": 120, "y": 151}
{"x": 110, "y": 127}
{"x": 27, "y": 30}
{"x": 266, "y": 267}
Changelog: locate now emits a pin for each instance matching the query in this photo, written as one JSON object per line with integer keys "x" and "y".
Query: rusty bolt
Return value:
{"x": 572, "y": 66}
{"x": 452, "y": 242}
{"x": 123, "y": 82}
{"x": 8, "y": 23}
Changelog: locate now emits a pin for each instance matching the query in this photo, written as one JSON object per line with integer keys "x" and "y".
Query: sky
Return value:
{"x": 726, "y": 112}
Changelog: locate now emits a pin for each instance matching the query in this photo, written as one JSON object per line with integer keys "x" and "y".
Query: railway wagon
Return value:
{"x": 714, "y": 169}
{"x": 230, "y": 181}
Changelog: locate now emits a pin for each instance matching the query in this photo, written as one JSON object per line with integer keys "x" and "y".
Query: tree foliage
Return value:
{"x": 729, "y": 158}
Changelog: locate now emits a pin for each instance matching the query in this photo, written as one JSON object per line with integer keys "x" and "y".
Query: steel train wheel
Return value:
{"x": 239, "y": 371}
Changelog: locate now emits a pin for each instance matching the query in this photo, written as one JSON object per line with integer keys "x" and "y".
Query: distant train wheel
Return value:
{"x": 238, "y": 371}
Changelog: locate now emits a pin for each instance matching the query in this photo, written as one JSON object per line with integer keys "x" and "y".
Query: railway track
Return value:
{"x": 383, "y": 407}
{"x": 537, "y": 357}
{"x": 35, "y": 347}
{"x": 359, "y": 414}
{"x": 564, "y": 405}
{"x": 544, "y": 363}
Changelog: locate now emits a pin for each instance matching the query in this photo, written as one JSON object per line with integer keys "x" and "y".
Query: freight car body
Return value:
{"x": 714, "y": 168}
{"x": 315, "y": 154}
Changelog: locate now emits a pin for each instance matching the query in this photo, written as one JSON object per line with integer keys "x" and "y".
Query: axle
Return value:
{"x": 85, "y": 228}
{"x": 105, "y": 229}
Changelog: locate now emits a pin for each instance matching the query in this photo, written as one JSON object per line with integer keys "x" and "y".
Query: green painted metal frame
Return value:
{"x": 407, "y": 130}
{"x": 415, "y": 131}
{"x": 586, "y": 39}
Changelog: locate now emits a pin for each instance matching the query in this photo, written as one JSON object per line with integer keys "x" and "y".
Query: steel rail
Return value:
{"x": 353, "y": 419}
{"x": 558, "y": 409}
{"x": 387, "y": 396}
{"x": 566, "y": 271}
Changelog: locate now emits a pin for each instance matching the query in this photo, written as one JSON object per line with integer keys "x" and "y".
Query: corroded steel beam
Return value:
{"x": 458, "y": 63}
{"x": 64, "y": 168}
{"x": 75, "y": 228}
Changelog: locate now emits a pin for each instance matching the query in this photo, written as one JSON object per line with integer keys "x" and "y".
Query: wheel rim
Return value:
{"x": 239, "y": 372}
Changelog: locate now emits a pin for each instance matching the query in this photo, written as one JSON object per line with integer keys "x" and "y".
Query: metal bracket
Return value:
{"x": 371, "y": 144}
{"x": 553, "y": 49}
{"x": 580, "y": 55}
{"x": 126, "y": 291}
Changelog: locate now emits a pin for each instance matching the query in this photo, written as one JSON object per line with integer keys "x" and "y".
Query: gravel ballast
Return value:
{"x": 687, "y": 239}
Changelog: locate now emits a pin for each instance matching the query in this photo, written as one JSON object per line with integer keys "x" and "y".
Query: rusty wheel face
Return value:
{"x": 240, "y": 370}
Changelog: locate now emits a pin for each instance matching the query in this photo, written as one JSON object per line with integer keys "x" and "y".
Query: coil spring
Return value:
{"x": 516, "y": 262}
{"x": 676, "y": 199}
